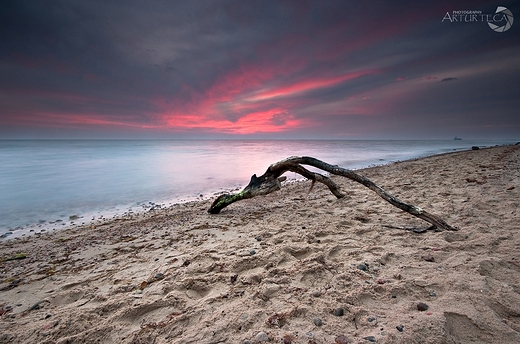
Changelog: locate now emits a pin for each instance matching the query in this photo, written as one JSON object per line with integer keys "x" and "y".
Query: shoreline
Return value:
{"x": 97, "y": 217}
{"x": 286, "y": 267}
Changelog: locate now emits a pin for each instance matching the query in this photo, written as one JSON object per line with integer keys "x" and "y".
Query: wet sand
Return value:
{"x": 288, "y": 267}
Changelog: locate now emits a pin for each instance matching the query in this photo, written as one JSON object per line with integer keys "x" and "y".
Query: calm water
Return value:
{"x": 45, "y": 182}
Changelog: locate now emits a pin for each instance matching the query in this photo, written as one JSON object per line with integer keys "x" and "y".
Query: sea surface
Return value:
{"x": 50, "y": 184}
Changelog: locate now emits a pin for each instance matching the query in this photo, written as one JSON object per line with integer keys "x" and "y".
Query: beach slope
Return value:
{"x": 288, "y": 267}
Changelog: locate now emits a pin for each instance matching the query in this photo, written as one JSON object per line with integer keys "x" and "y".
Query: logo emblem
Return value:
{"x": 504, "y": 17}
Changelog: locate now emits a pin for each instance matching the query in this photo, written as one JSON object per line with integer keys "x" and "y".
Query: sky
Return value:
{"x": 340, "y": 69}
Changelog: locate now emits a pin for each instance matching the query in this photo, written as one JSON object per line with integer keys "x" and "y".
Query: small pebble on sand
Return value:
{"x": 429, "y": 258}
{"x": 261, "y": 337}
{"x": 316, "y": 293}
{"x": 421, "y": 306}
{"x": 342, "y": 339}
{"x": 339, "y": 312}
{"x": 362, "y": 267}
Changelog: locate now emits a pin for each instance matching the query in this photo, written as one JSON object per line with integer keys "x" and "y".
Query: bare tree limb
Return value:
{"x": 270, "y": 182}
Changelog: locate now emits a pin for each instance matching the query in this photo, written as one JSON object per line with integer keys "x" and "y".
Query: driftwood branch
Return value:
{"x": 270, "y": 182}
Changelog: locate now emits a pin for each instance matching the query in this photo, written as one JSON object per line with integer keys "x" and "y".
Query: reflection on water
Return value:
{"x": 46, "y": 180}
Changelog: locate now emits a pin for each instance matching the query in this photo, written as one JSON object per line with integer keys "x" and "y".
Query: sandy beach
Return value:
{"x": 288, "y": 267}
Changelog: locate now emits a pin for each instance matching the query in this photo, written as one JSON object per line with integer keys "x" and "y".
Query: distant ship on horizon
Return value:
{"x": 457, "y": 138}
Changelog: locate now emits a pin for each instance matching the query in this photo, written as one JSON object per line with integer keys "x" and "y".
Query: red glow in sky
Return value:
{"x": 307, "y": 85}
{"x": 254, "y": 122}
{"x": 242, "y": 103}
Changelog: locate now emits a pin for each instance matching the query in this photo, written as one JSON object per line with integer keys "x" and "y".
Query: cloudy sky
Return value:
{"x": 268, "y": 69}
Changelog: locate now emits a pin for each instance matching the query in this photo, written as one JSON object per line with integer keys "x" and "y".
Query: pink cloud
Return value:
{"x": 256, "y": 99}
{"x": 274, "y": 120}
{"x": 309, "y": 84}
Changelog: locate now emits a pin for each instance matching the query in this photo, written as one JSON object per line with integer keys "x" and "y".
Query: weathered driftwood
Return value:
{"x": 270, "y": 182}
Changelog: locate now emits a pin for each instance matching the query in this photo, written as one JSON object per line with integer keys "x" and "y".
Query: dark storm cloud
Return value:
{"x": 316, "y": 68}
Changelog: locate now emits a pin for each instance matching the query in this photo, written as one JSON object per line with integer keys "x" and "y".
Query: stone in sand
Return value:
{"x": 261, "y": 337}
{"x": 342, "y": 339}
{"x": 421, "y": 306}
{"x": 339, "y": 312}
{"x": 362, "y": 267}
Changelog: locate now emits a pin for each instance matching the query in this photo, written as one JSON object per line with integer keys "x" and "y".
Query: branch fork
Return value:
{"x": 271, "y": 180}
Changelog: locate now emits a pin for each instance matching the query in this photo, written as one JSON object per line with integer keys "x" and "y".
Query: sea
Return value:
{"x": 47, "y": 185}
